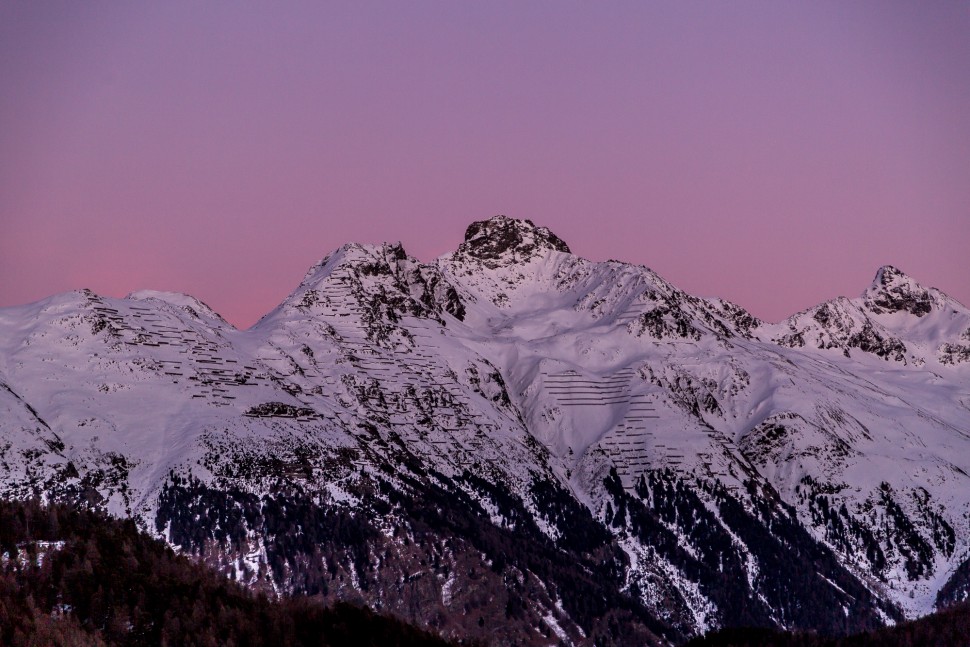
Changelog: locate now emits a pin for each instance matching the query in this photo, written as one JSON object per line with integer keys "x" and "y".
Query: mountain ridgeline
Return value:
{"x": 516, "y": 445}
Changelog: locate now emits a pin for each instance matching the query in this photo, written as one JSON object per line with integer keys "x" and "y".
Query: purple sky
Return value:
{"x": 775, "y": 154}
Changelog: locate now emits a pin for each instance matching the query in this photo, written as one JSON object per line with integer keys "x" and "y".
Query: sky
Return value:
{"x": 774, "y": 154}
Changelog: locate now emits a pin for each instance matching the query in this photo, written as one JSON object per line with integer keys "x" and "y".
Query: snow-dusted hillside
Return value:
{"x": 519, "y": 444}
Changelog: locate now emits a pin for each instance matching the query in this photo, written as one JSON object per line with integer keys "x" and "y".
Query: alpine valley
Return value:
{"x": 516, "y": 445}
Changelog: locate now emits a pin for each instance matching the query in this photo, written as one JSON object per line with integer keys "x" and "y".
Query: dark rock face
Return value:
{"x": 501, "y": 237}
{"x": 279, "y": 410}
{"x": 893, "y": 292}
{"x": 954, "y": 353}
{"x": 869, "y": 341}
{"x": 744, "y": 322}
{"x": 664, "y": 322}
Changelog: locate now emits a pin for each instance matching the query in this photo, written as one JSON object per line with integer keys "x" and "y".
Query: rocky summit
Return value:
{"x": 517, "y": 445}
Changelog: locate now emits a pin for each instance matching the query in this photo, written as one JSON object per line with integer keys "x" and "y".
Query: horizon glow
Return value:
{"x": 773, "y": 155}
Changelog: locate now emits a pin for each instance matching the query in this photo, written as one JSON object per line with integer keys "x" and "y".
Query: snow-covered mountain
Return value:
{"x": 518, "y": 444}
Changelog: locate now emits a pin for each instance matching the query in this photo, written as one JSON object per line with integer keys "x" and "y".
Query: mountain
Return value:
{"x": 519, "y": 445}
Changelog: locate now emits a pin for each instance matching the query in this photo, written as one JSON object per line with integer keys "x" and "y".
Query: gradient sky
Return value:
{"x": 775, "y": 154}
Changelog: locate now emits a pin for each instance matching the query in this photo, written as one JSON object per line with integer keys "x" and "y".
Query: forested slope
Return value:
{"x": 79, "y": 578}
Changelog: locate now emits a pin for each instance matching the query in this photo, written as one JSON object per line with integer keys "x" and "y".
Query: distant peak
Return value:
{"x": 501, "y": 237}
{"x": 177, "y": 299}
{"x": 894, "y": 291}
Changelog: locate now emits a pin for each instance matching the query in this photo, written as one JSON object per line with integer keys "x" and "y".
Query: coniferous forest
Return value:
{"x": 78, "y": 578}
{"x": 947, "y": 628}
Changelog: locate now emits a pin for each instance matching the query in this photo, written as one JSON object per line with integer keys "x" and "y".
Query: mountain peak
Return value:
{"x": 894, "y": 291}
{"x": 888, "y": 275}
{"x": 501, "y": 237}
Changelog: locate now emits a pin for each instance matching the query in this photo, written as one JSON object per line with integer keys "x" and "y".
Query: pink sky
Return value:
{"x": 775, "y": 154}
